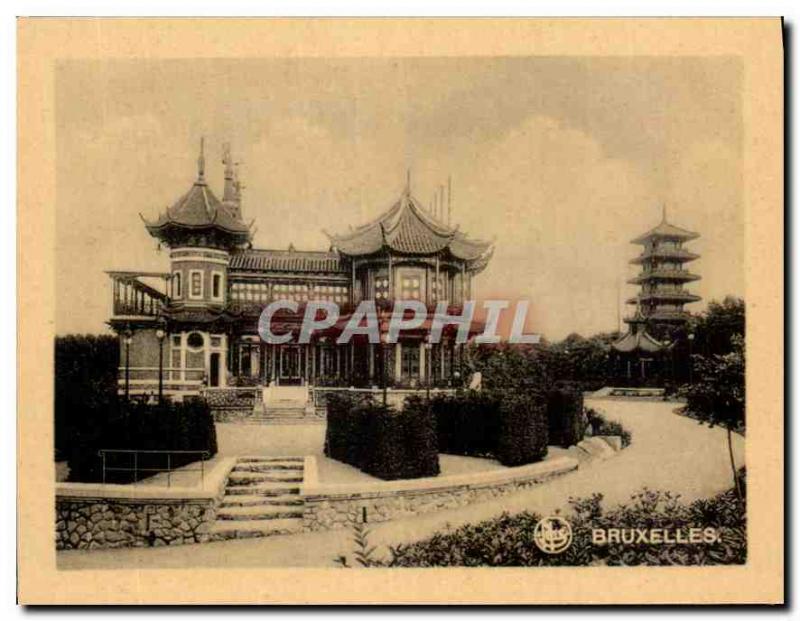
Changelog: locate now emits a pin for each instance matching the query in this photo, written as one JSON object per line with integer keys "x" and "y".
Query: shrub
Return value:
{"x": 85, "y": 382}
{"x": 508, "y": 540}
{"x": 467, "y": 423}
{"x": 380, "y": 440}
{"x": 566, "y": 420}
{"x": 187, "y": 426}
{"x": 523, "y": 430}
{"x": 602, "y": 427}
{"x": 510, "y": 426}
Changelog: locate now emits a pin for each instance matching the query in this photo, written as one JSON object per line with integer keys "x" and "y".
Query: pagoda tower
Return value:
{"x": 660, "y": 301}
{"x": 663, "y": 275}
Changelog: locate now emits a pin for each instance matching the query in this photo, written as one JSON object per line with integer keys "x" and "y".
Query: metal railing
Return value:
{"x": 136, "y": 469}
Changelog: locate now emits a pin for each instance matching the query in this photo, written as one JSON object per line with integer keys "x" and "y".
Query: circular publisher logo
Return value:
{"x": 552, "y": 535}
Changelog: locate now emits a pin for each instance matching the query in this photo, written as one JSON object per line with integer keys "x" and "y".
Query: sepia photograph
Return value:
{"x": 353, "y": 311}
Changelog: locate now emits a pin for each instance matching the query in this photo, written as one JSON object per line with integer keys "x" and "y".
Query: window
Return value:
{"x": 382, "y": 286}
{"x": 195, "y": 284}
{"x": 216, "y": 286}
{"x": 409, "y": 358}
{"x": 195, "y": 341}
{"x": 176, "y": 284}
{"x": 411, "y": 284}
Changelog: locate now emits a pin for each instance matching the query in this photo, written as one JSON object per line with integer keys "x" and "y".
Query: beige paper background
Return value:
{"x": 43, "y": 42}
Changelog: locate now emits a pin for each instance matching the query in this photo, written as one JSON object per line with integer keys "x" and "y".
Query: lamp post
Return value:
{"x": 384, "y": 339}
{"x": 127, "y": 339}
{"x": 428, "y": 347}
{"x": 160, "y": 334}
{"x": 691, "y": 342}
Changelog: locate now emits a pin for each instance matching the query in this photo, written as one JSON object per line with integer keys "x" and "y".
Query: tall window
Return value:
{"x": 196, "y": 284}
{"x": 176, "y": 284}
{"x": 216, "y": 286}
{"x": 410, "y": 361}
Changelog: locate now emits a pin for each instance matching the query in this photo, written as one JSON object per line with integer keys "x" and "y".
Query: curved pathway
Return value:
{"x": 668, "y": 452}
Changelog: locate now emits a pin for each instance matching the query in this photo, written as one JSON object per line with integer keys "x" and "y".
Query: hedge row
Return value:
{"x": 380, "y": 440}
{"x": 566, "y": 420}
{"x": 187, "y": 426}
{"x": 510, "y": 427}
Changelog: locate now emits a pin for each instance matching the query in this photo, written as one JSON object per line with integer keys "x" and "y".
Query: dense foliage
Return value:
{"x": 85, "y": 381}
{"x": 510, "y": 426}
{"x": 566, "y": 419}
{"x": 601, "y": 426}
{"x": 523, "y": 430}
{"x": 380, "y": 440}
{"x": 508, "y": 539}
{"x": 187, "y": 426}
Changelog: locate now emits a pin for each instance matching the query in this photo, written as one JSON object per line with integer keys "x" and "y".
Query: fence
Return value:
{"x": 136, "y": 468}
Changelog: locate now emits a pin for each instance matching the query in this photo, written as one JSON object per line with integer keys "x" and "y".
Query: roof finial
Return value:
{"x": 226, "y": 159}
{"x": 408, "y": 180}
{"x": 449, "y": 199}
{"x": 663, "y": 212}
{"x": 201, "y": 161}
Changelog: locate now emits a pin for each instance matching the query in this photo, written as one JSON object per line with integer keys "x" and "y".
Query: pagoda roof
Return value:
{"x": 198, "y": 208}
{"x": 264, "y": 260}
{"x": 408, "y": 229}
{"x": 663, "y": 274}
{"x": 667, "y": 296}
{"x": 637, "y": 341}
{"x": 665, "y": 230}
{"x": 672, "y": 254}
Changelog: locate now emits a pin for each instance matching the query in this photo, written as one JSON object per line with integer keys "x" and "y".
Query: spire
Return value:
{"x": 449, "y": 199}
{"x": 663, "y": 212}
{"x": 408, "y": 182}
{"x": 229, "y": 191}
{"x": 201, "y": 162}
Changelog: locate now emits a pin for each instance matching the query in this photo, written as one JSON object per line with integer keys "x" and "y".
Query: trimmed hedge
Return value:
{"x": 523, "y": 430}
{"x": 566, "y": 421}
{"x": 467, "y": 423}
{"x": 187, "y": 426}
{"x": 510, "y": 427}
{"x": 380, "y": 440}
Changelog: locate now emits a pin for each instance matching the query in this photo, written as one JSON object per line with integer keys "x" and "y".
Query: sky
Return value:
{"x": 560, "y": 160}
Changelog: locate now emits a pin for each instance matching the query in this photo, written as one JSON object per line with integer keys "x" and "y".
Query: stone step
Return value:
{"x": 254, "y": 478}
{"x": 229, "y": 529}
{"x": 270, "y": 490}
{"x": 268, "y": 459}
{"x": 247, "y": 500}
{"x": 258, "y": 512}
{"x": 273, "y": 466}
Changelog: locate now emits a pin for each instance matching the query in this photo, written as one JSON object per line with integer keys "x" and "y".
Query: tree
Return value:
{"x": 717, "y": 396}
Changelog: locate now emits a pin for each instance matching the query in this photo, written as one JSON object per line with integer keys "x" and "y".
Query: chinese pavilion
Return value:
{"x": 660, "y": 302}
{"x": 196, "y": 326}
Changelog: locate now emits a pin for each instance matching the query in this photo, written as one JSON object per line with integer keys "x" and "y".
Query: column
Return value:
{"x": 423, "y": 361}
{"x": 398, "y": 361}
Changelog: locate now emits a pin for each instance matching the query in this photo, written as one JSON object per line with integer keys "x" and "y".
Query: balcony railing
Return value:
{"x": 132, "y": 297}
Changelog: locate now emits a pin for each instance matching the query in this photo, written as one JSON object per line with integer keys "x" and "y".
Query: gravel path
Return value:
{"x": 669, "y": 452}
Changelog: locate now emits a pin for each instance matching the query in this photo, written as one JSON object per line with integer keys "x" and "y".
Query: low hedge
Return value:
{"x": 187, "y": 426}
{"x": 380, "y": 440}
{"x": 566, "y": 420}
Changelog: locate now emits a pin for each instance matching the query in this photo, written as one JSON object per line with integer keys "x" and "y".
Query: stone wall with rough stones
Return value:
{"x": 88, "y": 523}
{"x": 332, "y": 507}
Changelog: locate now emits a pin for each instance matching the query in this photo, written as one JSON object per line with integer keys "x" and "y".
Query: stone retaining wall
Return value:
{"x": 92, "y": 515}
{"x": 115, "y": 523}
{"x": 339, "y": 506}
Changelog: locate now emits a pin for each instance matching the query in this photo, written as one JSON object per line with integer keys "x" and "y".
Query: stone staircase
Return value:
{"x": 262, "y": 498}
{"x": 285, "y": 405}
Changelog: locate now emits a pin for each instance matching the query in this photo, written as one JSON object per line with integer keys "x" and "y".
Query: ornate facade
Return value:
{"x": 195, "y": 326}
